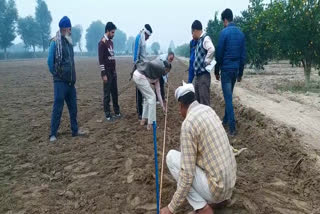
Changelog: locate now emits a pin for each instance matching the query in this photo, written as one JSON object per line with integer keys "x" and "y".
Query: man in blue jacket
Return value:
{"x": 61, "y": 66}
{"x": 230, "y": 57}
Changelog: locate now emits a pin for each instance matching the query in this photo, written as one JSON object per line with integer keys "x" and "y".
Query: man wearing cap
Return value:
{"x": 108, "y": 72}
{"x": 203, "y": 56}
{"x": 61, "y": 66}
{"x": 205, "y": 169}
{"x": 140, "y": 55}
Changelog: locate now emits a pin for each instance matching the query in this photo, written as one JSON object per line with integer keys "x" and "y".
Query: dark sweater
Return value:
{"x": 106, "y": 56}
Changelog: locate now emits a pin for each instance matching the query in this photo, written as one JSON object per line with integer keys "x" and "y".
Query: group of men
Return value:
{"x": 205, "y": 167}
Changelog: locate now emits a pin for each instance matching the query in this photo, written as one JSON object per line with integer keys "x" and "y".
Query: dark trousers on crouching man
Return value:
{"x": 64, "y": 92}
{"x": 202, "y": 88}
{"x": 110, "y": 88}
{"x": 139, "y": 100}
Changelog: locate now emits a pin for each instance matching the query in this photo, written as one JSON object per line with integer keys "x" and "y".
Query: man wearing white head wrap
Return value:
{"x": 140, "y": 55}
{"x": 206, "y": 166}
{"x": 184, "y": 89}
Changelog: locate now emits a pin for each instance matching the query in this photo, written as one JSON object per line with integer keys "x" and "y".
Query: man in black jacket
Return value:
{"x": 61, "y": 66}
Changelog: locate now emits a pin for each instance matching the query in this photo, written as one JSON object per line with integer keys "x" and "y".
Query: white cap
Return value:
{"x": 184, "y": 89}
{"x": 147, "y": 31}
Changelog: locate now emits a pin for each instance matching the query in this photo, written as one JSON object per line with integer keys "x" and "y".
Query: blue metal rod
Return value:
{"x": 156, "y": 163}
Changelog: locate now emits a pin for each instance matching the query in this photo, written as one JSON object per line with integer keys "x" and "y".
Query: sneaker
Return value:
{"x": 53, "y": 139}
{"x": 109, "y": 118}
{"x": 118, "y": 116}
{"x": 158, "y": 103}
{"x": 79, "y": 134}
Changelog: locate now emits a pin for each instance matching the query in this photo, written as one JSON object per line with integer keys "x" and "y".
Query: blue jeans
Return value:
{"x": 228, "y": 80}
{"x": 64, "y": 92}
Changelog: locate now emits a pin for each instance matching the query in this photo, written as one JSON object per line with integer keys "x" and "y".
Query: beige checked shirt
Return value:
{"x": 204, "y": 143}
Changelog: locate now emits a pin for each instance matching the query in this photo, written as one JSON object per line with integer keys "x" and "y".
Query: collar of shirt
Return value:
{"x": 105, "y": 36}
{"x": 203, "y": 33}
{"x": 231, "y": 24}
{"x": 192, "y": 105}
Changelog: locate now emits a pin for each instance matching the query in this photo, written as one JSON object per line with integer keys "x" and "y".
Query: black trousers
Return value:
{"x": 111, "y": 88}
{"x": 139, "y": 100}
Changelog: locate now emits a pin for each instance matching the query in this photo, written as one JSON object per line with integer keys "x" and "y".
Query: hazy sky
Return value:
{"x": 169, "y": 19}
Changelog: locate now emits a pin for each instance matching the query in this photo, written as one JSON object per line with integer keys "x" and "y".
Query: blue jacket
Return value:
{"x": 231, "y": 51}
{"x": 136, "y": 48}
{"x": 193, "y": 44}
{"x": 67, "y": 71}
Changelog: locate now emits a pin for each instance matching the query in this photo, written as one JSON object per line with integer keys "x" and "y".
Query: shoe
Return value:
{"x": 118, "y": 116}
{"x": 110, "y": 119}
{"x": 140, "y": 117}
{"x": 53, "y": 139}
{"x": 80, "y": 133}
{"x": 158, "y": 103}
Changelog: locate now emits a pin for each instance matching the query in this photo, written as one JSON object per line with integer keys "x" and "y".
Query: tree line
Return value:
{"x": 35, "y": 31}
{"x": 281, "y": 29}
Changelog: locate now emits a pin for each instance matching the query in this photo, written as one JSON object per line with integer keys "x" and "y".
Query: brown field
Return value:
{"x": 112, "y": 169}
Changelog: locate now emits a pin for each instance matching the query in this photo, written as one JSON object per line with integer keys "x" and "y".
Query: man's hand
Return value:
{"x": 165, "y": 211}
{"x": 105, "y": 79}
{"x": 239, "y": 79}
{"x": 164, "y": 108}
{"x": 217, "y": 77}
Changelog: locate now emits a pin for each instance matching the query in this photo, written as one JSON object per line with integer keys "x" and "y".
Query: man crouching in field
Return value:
{"x": 205, "y": 169}
{"x": 61, "y": 66}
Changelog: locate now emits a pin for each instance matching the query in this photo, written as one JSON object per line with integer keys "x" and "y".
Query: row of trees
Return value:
{"x": 95, "y": 32}
{"x": 35, "y": 31}
{"x": 281, "y": 29}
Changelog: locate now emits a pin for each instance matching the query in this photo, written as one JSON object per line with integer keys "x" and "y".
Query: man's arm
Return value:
{"x": 51, "y": 57}
{"x": 158, "y": 91}
{"x": 191, "y": 61}
{"x": 220, "y": 49}
{"x": 101, "y": 50}
{"x": 188, "y": 166}
{"x": 191, "y": 74}
{"x": 208, "y": 45}
{"x": 242, "y": 58}
{"x": 136, "y": 49}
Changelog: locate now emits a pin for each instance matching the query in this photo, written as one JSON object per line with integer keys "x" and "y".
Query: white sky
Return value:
{"x": 169, "y": 19}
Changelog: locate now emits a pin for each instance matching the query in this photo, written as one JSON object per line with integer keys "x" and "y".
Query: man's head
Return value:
{"x": 147, "y": 31}
{"x": 65, "y": 26}
{"x": 196, "y": 29}
{"x": 110, "y": 30}
{"x": 227, "y": 17}
{"x": 184, "y": 103}
{"x": 170, "y": 57}
{"x": 185, "y": 95}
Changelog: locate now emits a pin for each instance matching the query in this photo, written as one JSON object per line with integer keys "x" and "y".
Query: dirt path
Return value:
{"x": 112, "y": 170}
{"x": 304, "y": 118}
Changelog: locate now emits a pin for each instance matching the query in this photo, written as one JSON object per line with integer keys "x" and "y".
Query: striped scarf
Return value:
{"x": 58, "y": 58}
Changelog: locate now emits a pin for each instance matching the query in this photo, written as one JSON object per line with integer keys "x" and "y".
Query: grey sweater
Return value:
{"x": 154, "y": 69}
